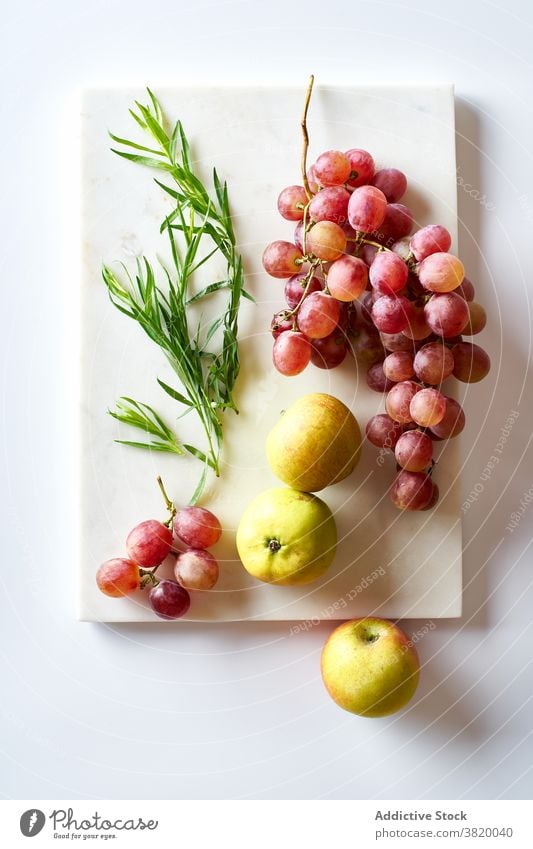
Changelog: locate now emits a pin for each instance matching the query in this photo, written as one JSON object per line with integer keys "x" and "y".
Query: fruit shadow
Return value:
{"x": 494, "y": 475}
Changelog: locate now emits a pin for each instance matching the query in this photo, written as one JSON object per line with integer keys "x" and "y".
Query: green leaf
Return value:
{"x": 129, "y": 143}
{"x": 143, "y": 160}
{"x": 199, "y": 455}
{"x": 199, "y": 488}
{"x": 174, "y": 394}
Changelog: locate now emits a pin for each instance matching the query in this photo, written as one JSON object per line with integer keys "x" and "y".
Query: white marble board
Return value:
{"x": 252, "y": 136}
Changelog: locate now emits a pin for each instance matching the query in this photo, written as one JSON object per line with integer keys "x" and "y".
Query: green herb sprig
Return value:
{"x": 199, "y": 218}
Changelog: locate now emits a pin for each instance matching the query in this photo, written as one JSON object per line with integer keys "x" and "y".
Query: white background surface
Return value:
{"x": 238, "y": 711}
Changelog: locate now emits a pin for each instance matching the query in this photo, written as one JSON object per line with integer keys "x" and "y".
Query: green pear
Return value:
{"x": 370, "y": 667}
{"x": 315, "y": 443}
{"x": 286, "y": 537}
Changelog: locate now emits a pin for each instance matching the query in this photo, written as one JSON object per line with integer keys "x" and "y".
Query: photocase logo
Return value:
{"x": 32, "y": 822}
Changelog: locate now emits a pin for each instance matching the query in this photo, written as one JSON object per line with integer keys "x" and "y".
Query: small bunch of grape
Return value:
{"x": 149, "y": 543}
{"x": 357, "y": 280}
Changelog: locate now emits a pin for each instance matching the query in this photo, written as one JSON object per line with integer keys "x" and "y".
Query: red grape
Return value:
{"x": 281, "y": 322}
{"x": 446, "y": 314}
{"x": 441, "y": 272}
{"x": 434, "y": 497}
{"x": 295, "y": 287}
{"x": 391, "y": 313}
{"x": 367, "y": 208}
{"x": 330, "y": 205}
{"x": 291, "y": 202}
{"x": 319, "y": 315}
{"x": 433, "y": 363}
{"x": 427, "y": 407}
{"x": 398, "y": 366}
{"x": 197, "y": 527}
{"x": 418, "y": 327}
{"x": 430, "y": 240}
{"x": 397, "y": 224}
{"x": 414, "y": 451}
{"x": 388, "y": 273}
{"x": 149, "y": 543}
{"x": 330, "y": 351}
{"x": 369, "y": 253}
{"x": 361, "y": 165}
{"x": 118, "y": 577}
{"x": 299, "y": 235}
{"x": 281, "y": 259}
{"x": 411, "y": 490}
{"x": 477, "y": 319}
{"x": 291, "y": 353}
{"x": 377, "y": 380}
{"x": 398, "y": 401}
{"x": 471, "y": 363}
{"x": 367, "y": 346}
{"x": 383, "y": 432}
{"x": 452, "y": 423}
{"x": 311, "y": 179}
{"x": 326, "y": 240}
{"x": 196, "y": 569}
{"x": 466, "y": 289}
{"x": 168, "y": 600}
{"x": 391, "y": 182}
{"x": 332, "y": 168}
{"x": 347, "y": 278}
{"x": 397, "y": 342}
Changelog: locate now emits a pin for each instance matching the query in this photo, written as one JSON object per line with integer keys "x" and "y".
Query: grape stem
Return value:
{"x": 305, "y": 135}
{"x": 171, "y": 507}
{"x": 294, "y": 311}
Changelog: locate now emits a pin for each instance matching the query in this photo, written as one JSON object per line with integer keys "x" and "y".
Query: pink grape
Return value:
{"x": 311, "y": 179}
{"x": 326, "y": 240}
{"x": 434, "y": 497}
{"x": 414, "y": 451}
{"x": 418, "y": 328}
{"x": 291, "y": 353}
{"x": 281, "y": 322}
{"x": 411, "y": 490}
{"x": 398, "y": 401}
{"x": 398, "y": 366}
{"x": 291, "y": 202}
{"x": 433, "y": 363}
{"x": 332, "y": 168}
{"x": 397, "y": 342}
{"x": 391, "y": 182}
{"x": 369, "y": 253}
{"x": 118, "y": 577}
{"x": 466, "y": 289}
{"x": 471, "y": 363}
{"x": 281, "y": 259}
{"x": 319, "y": 315}
{"x": 197, "y": 527}
{"x": 366, "y": 304}
{"x": 330, "y": 205}
{"x": 446, "y": 314}
{"x": 441, "y": 272}
{"x": 361, "y": 165}
{"x": 196, "y": 569}
{"x": 397, "y": 223}
{"x": 149, "y": 543}
{"x": 377, "y": 380}
{"x": 330, "y": 351}
{"x": 401, "y": 247}
{"x": 477, "y": 319}
{"x": 367, "y": 208}
{"x": 427, "y": 407}
{"x": 299, "y": 235}
{"x": 430, "y": 240}
{"x": 391, "y": 313}
{"x": 383, "y": 432}
{"x": 367, "y": 346}
{"x": 452, "y": 423}
{"x": 295, "y": 287}
{"x": 388, "y": 273}
{"x": 168, "y": 600}
{"x": 347, "y": 278}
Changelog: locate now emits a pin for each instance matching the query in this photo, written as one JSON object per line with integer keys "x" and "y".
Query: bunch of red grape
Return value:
{"x": 149, "y": 543}
{"x": 357, "y": 280}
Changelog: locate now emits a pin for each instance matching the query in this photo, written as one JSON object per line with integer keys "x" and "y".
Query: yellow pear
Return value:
{"x": 316, "y": 443}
